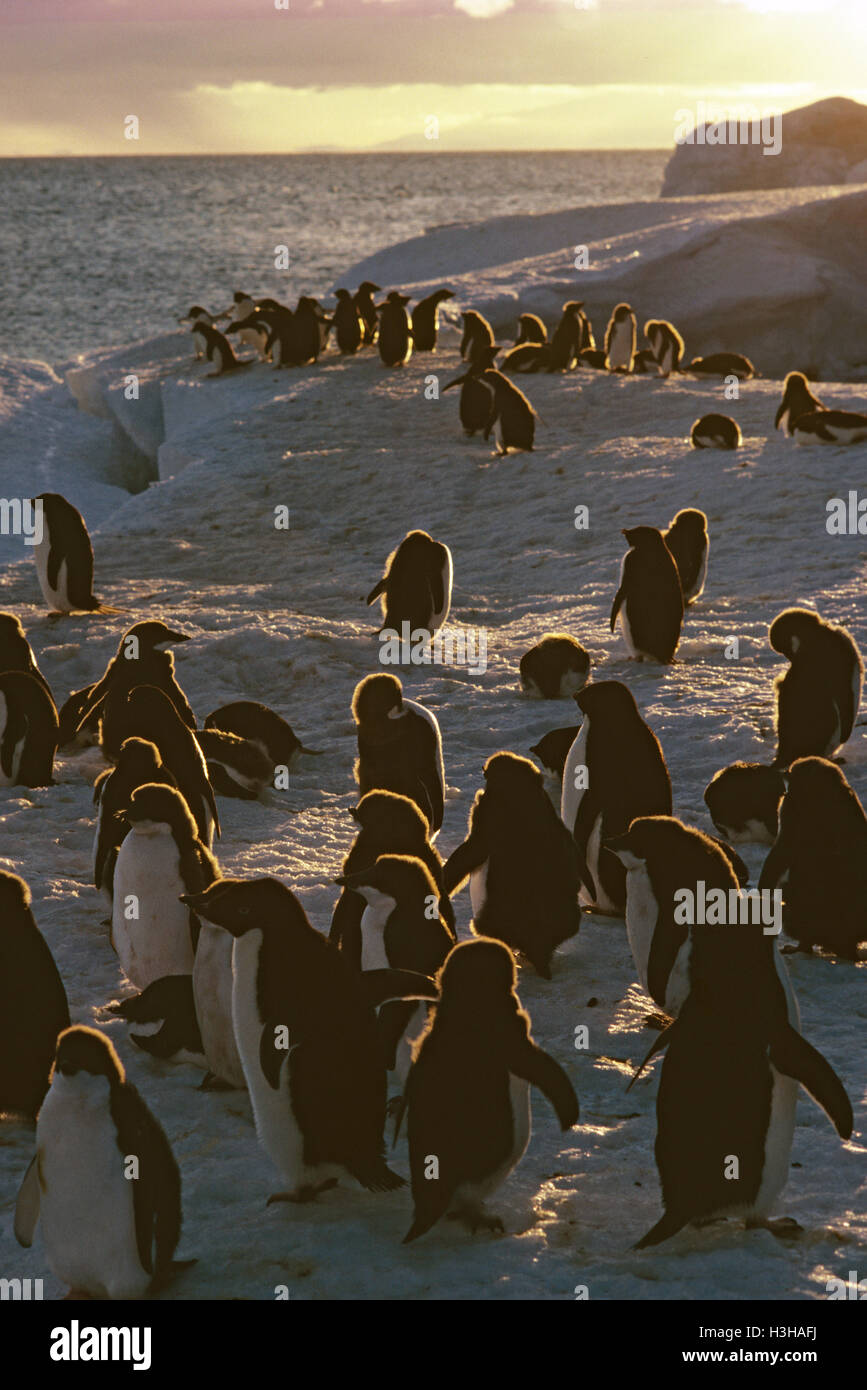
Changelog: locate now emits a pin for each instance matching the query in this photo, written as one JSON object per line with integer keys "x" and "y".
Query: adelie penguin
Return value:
{"x": 521, "y": 864}
{"x": 217, "y": 349}
{"x": 649, "y": 599}
{"x": 395, "y": 332}
{"x": 567, "y": 339}
{"x": 552, "y": 751}
{"x": 33, "y": 1007}
{"x": 476, "y": 405}
{"x": 399, "y": 746}
{"x": 258, "y": 724}
{"x": 16, "y": 653}
{"x": 138, "y": 762}
{"x": 363, "y": 301}
{"x": 64, "y": 558}
{"x": 744, "y": 802}
{"x": 307, "y": 1037}
{"x": 236, "y": 767}
{"x": 531, "y": 329}
{"x": 716, "y": 432}
{"x": 478, "y": 336}
{"x": 666, "y": 344}
{"x": 140, "y": 659}
{"x": 614, "y": 771}
{"x": 107, "y": 1232}
{"x": 194, "y": 315}
{"x": 820, "y": 859}
{"x": 348, "y": 324}
{"x": 468, "y": 1091}
{"x": 686, "y": 538}
{"x": 620, "y": 339}
{"x": 831, "y": 427}
{"x": 555, "y": 668}
{"x": 425, "y": 321}
{"x": 515, "y": 414}
{"x": 28, "y": 731}
{"x": 797, "y": 400}
{"x": 819, "y": 695}
{"x": 722, "y": 364}
{"x": 417, "y": 585}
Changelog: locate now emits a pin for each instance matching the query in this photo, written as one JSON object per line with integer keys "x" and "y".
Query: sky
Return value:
{"x": 256, "y": 76}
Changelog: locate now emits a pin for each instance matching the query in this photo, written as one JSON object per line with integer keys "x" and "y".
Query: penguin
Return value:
{"x": 74, "y": 731}
{"x": 140, "y": 659}
{"x": 307, "y": 328}
{"x": 567, "y": 339}
{"x": 28, "y": 732}
{"x": 64, "y": 558}
{"x": 388, "y": 824}
{"x": 212, "y": 1001}
{"x": 468, "y": 1091}
{"x": 649, "y": 598}
{"x": 528, "y": 357}
{"x": 521, "y": 864}
{"x": 722, "y": 364}
{"x": 399, "y": 746}
{"x": 236, "y": 767}
{"x": 614, "y": 771}
{"x": 170, "y": 1003}
{"x": 416, "y": 586}
{"x": 258, "y": 724}
{"x": 819, "y": 696}
{"x": 425, "y": 320}
{"x": 820, "y": 858}
{"x": 555, "y": 668}
{"x": 729, "y": 1091}
{"x": 363, "y": 301}
{"x": 476, "y": 407}
{"x": 620, "y": 339}
{"x": 588, "y": 340}
{"x": 797, "y": 400}
{"x": 552, "y": 750}
{"x": 515, "y": 413}
{"x": 196, "y": 314}
{"x": 278, "y": 323}
{"x": 15, "y": 651}
{"x": 161, "y": 858}
{"x": 744, "y": 801}
{"x": 308, "y": 1038}
{"x": 104, "y": 1235}
{"x": 348, "y": 324}
{"x": 478, "y": 335}
{"x": 33, "y": 1007}
{"x": 716, "y": 432}
{"x": 138, "y": 762}
{"x": 686, "y": 538}
{"x": 400, "y": 929}
{"x": 255, "y": 329}
{"x": 830, "y": 427}
{"x": 666, "y": 345}
{"x": 395, "y": 333}
{"x": 148, "y": 713}
{"x": 592, "y": 357}
{"x": 217, "y": 349}
{"x": 644, "y": 363}
{"x": 531, "y": 329}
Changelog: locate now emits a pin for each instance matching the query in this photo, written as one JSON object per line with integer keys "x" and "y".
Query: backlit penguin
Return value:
{"x": 28, "y": 732}
{"x": 399, "y": 746}
{"x": 528, "y": 357}
{"x": 309, "y": 329}
{"x": 140, "y": 659}
{"x": 729, "y": 1092}
{"x": 687, "y": 540}
{"x": 33, "y": 1007}
{"x": 400, "y": 929}
{"x": 148, "y": 713}
{"x": 797, "y": 400}
{"x": 555, "y": 668}
{"x": 666, "y": 343}
{"x": 476, "y": 406}
{"x": 138, "y": 762}
{"x": 567, "y": 339}
{"x": 722, "y": 364}
{"x": 819, "y": 695}
{"x": 263, "y": 726}
{"x": 153, "y": 933}
{"x": 830, "y": 427}
{"x": 477, "y": 337}
{"x": 348, "y": 323}
{"x": 552, "y": 751}
{"x": 644, "y": 363}
{"x": 395, "y": 333}
{"x": 170, "y": 1003}
{"x": 105, "y": 1235}
{"x": 592, "y": 357}
{"x": 363, "y": 300}
{"x": 15, "y": 652}
{"x": 620, "y": 339}
{"x": 64, "y": 558}
{"x": 388, "y": 824}
{"x": 216, "y": 348}
{"x": 417, "y": 585}
{"x": 425, "y": 320}
{"x": 588, "y": 341}
{"x": 468, "y": 1092}
{"x": 236, "y": 767}
{"x": 243, "y": 305}
{"x": 649, "y": 598}
{"x": 194, "y": 315}
{"x": 515, "y": 413}
{"x": 614, "y": 772}
{"x": 308, "y": 1038}
{"x": 716, "y": 432}
{"x": 521, "y": 863}
{"x": 820, "y": 859}
{"x": 744, "y": 801}
{"x": 531, "y": 329}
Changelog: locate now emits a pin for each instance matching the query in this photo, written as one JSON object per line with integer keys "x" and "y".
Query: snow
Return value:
{"x": 360, "y": 456}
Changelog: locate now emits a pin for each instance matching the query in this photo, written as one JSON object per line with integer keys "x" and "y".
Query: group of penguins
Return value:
{"x": 230, "y": 972}
{"x": 295, "y": 338}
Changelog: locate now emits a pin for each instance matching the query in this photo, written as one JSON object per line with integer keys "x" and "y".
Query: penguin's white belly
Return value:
{"x": 642, "y": 914}
{"x": 438, "y": 618}
{"x": 666, "y": 361}
{"x": 157, "y": 942}
{"x": 778, "y": 1143}
{"x": 479, "y": 888}
{"x": 622, "y": 348}
{"x": 698, "y": 585}
{"x": 472, "y": 1194}
{"x": 212, "y": 990}
{"x": 403, "y": 1056}
{"x": 570, "y": 797}
{"x": 8, "y": 777}
{"x": 105, "y": 890}
{"x": 626, "y": 627}
{"x": 752, "y": 832}
{"x": 86, "y": 1203}
{"x": 784, "y": 421}
{"x": 373, "y": 920}
{"x": 591, "y": 856}
{"x": 57, "y": 599}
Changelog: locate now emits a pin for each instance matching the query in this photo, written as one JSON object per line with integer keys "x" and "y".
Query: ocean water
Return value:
{"x": 101, "y": 251}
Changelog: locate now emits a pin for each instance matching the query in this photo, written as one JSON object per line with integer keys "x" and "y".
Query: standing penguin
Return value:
{"x": 620, "y": 339}
{"x": 425, "y": 320}
{"x": 140, "y": 659}
{"x": 819, "y": 696}
{"x": 417, "y": 584}
{"x": 33, "y": 1007}
{"x": 820, "y": 858}
{"x": 476, "y": 407}
{"x": 521, "y": 863}
{"x": 138, "y": 762}
{"x": 515, "y": 413}
{"x": 28, "y": 732}
{"x": 567, "y": 339}
{"x": 614, "y": 771}
{"x": 64, "y": 558}
{"x": 468, "y": 1091}
{"x": 15, "y": 651}
{"x": 686, "y": 538}
{"x": 649, "y": 598}
{"x": 531, "y": 329}
{"x": 552, "y": 751}
{"x": 348, "y": 323}
{"x": 161, "y": 858}
{"x": 478, "y": 336}
{"x": 363, "y": 301}
{"x": 744, "y": 800}
{"x": 307, "y": 1037}
{"x": 555, "y": 668}
{"x": 395, "y": 333}
{"x": 217, "y": 349}
{"x": 105, "y": 1236}
{"x": 399, "y": 746}
{"x": 797, "y": 400}
{"x": 666, "y": 344}
{"x": 307, "y": 329}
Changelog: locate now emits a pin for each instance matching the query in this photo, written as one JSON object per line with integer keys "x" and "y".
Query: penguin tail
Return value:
{"x": 377, "y": 1176}
{"x": 668, "y": 1226}
{"x": 418, "y": 1228}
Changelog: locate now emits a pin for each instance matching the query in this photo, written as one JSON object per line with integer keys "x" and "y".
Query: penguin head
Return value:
{"x": 85, "y": 1051}
{"x": 509, "y": 776}
{"x": 646, "y": 836}
{"x": 689, "y": 521}
{"x": 342, "y": 296}
{"x": 138, "y": 756}
{"x": 621, "y": 312}
{"x": 377, "y": 697}
{"x": 151, "y": 636}
{"x": 399, "y": 877}
{"x": 147, "y": 702}
{"x": 641, "y": 536}
{"x": 793, "y": 629}
{"x": 156, "y": 809}
{"x": 391, "y": 818}
{"x": 796, "y": 384}
{"x": 444, "y": 294}
{"x": 573, "y": 307}
{"x": 609, "y": 698}
{"x": 810, "y": 780}
{"x": 239, "y": 905}
{"x": 14, "y": 897}
{"x": 368, "y": 287}
{"x": 240, "y": 297}
{"x": 475, "y": 971}
{"x": 11, "y": 629}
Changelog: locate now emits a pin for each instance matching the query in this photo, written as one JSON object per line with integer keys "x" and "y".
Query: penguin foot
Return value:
{"x": 212, "y": 1082}
{"x": 657, "y": 1021}
{"x": 783, "y": 1227}
{"x": 307, "y": 1193}
{"x": 477, "y": 1219}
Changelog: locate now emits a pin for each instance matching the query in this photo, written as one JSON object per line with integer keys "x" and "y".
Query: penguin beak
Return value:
{"x": 355, "y": 882}
{"x": 172, "y": 636}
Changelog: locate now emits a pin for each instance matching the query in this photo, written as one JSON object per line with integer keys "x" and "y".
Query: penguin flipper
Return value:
{"x": 376, "y": 591}
{"x": 794, "y": 1056}
{"x": 668, "y": 1226}
{"x": 380, "y": 986}
{"x": 27, "y": 1205}
{"x": 535, "y": 1065}
{"x": 660, "y": 1043}
{"x": 615, "y": 607}
{"x": 460, "y": 864}
{"x": 774, "y": 867}
{"x": 157, "y": 1187}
